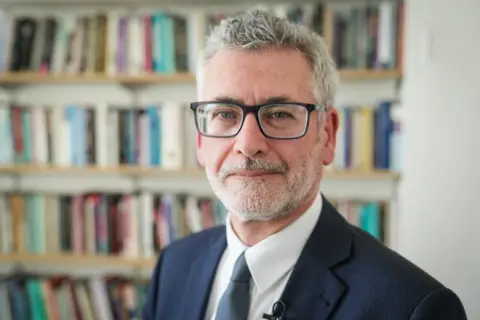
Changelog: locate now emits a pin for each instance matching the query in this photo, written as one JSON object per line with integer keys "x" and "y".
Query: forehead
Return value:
{"x": 252, "y": 76}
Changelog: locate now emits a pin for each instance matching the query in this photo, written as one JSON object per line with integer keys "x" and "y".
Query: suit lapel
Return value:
{"x": 313, "y": 289}
{"x": 200, "y": 279}
{"x": 312, "y": 292}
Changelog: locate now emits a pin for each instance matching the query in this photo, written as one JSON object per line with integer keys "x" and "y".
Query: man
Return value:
{"x": 267, "y": 125}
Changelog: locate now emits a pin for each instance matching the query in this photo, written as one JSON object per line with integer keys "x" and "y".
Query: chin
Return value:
{"x": 251, "y": 205}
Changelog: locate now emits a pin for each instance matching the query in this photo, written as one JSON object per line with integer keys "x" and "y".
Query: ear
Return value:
{"x": 200, "y": 158}
{"x": 330, "y": 128}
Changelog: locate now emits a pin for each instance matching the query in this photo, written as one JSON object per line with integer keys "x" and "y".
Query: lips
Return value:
{"x": 251, "y": 174}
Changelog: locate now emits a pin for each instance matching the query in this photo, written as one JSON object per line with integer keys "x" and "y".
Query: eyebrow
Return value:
{"x": 272, "y": 99}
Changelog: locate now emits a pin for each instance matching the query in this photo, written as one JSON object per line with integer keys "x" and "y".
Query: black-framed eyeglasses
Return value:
{"x": 278, "y": 120}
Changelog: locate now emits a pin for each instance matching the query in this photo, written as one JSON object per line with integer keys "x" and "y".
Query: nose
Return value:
{"x": 250, "y": 141}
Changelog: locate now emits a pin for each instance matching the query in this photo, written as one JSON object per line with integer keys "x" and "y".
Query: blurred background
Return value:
{"x": 97, "y": 144}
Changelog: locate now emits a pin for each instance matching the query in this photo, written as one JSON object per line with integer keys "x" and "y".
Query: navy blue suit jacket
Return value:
{"x": 342, "y": 273}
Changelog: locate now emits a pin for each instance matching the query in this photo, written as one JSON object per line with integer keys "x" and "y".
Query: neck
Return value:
{"x": 252, "y": 232}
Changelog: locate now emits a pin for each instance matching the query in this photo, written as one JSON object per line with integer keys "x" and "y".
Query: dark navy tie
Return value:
{"x": 235, "y": 302}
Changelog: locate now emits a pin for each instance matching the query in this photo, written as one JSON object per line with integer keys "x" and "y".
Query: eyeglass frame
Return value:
{"x": 255, "y": 109}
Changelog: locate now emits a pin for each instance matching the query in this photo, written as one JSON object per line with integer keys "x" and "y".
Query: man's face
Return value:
{"x": 258, "y": 178}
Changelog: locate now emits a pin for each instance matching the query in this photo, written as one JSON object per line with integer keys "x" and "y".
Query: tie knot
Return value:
{"x": 241, "y": 273}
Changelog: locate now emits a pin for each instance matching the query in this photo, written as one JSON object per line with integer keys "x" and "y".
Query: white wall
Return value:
{"x": 439, "y": 210}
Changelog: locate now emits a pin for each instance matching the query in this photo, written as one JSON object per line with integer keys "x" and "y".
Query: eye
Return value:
{"x": 279, "y": 115}
{"x": 225, "y": 114}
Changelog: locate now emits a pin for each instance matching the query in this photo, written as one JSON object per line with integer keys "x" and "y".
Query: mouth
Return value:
{"x": 252, "y": 174}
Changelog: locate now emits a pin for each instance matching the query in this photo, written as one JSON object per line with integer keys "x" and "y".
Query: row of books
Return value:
{"x": 164, "y": 136}
{"x": 368, "y": 137}
{"x": 24, "y": 297}
{"x": 102, "y": 43}
{"x": 128, "y": 225}
{"x": 116, "y": 42}
{"x": 368, "y": 36}
{"x": 160, "y": 135}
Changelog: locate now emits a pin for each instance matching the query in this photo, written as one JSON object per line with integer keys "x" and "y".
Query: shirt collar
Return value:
{"x": 274, "y": 256}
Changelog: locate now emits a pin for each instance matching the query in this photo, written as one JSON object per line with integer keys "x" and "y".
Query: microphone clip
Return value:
{"x": 278, "y": 309}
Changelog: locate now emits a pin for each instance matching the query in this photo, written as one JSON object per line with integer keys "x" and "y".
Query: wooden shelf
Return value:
{"x": 37, "y": 78}
{"x": 157, "y": 171}
{"x": 22, "y": 78}
{"x": 358, "y": 174}
{"x": 71, "y": 264}
{"x": 124, "y": 170}
{"x": 75, "y": 260}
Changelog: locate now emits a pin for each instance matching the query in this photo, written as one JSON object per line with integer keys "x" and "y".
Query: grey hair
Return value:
{"x": 258, "y": 29}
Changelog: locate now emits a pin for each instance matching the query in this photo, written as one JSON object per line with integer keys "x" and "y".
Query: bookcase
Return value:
{"x": 94, "y": 181}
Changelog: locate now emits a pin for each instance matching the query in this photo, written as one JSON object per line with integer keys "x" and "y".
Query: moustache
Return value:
{"x": 256, "y": 165}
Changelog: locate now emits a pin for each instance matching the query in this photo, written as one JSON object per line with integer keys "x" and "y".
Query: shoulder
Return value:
{"x": 381, "y": 276}
{"x": 378, "y": 261}
{"x": 376, "y": 278}
{"x": 360, "y": 258}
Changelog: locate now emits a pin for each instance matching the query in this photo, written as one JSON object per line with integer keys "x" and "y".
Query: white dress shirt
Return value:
{"x": 270, "y": 262}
